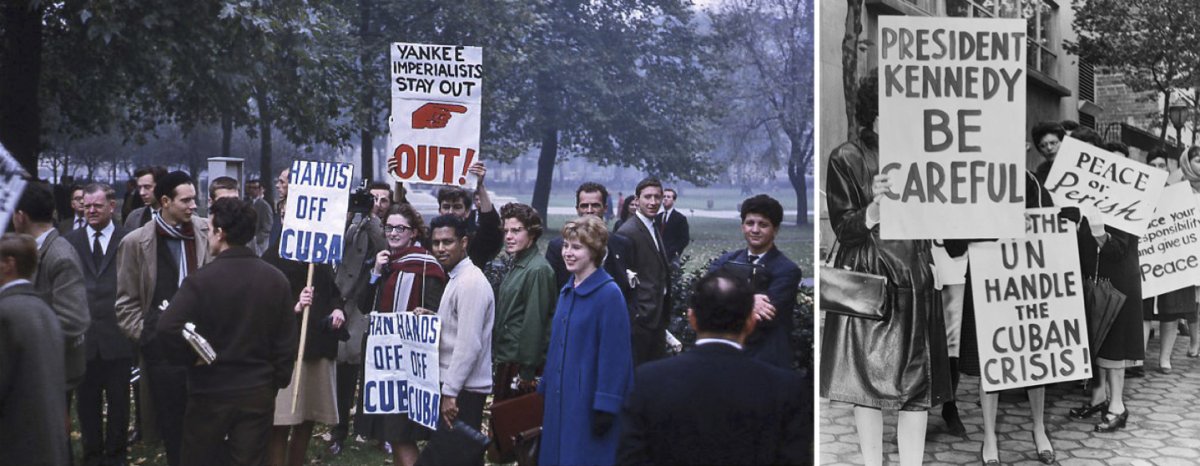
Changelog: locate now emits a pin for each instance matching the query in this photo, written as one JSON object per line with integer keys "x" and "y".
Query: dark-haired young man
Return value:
{"x": 651, "y": 287}
{"x": 266, "y": 216}
{"x": 674, "y": 225}
{"x": 467, "y": 311}
{"x": 59, "y": 276}
{"x": 752, "y": 413}
{"x": 483, "y": 223}
{"x": 591, "y": 199}
{"x": 147, "y": 178}
{"x": 109, "y": 354}
{"x": 75, "y": 219}
{"x": 151, "y": 263}
{"x": 773, "y": 277}
{"x": 244, "y": 308}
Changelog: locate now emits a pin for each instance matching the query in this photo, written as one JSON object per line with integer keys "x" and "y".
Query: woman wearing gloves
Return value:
{"x": 589, "y": 367}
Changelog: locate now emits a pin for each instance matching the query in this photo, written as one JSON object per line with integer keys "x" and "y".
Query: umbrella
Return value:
{"x": 1102, "y": 303}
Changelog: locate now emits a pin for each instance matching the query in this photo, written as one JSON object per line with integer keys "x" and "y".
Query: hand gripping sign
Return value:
{"x": 401, "y": 372}
{"x": 1124, "y": 191}
{"x": 436, "y": 107}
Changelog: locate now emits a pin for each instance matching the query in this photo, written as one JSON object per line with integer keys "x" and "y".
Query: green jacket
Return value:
{"x": 523, "y": 308}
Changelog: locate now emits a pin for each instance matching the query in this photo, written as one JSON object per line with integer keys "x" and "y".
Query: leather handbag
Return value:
{"x": 528, "y": 445}
{"x": 512, "y": 417}
{"x": 850, "y": 293}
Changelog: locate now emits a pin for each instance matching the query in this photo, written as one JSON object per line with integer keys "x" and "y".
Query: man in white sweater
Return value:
{"x": 467, "y": 311}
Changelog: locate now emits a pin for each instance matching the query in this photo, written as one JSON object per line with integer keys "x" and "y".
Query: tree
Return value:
{"x": 1150, "y": 43}
{"x": 620, "y": 82}
{"x": 772, "y": 40}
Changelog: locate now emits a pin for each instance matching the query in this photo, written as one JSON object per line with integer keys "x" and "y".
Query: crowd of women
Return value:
{"x": 911, "y": 361}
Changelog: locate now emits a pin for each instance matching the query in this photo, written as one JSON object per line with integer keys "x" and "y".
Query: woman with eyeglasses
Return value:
{"x": 405, "y": 276}
{"x": 523, "y": 305}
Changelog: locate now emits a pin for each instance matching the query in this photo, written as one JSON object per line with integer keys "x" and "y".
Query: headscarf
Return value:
{"x": 1189, "y": 173}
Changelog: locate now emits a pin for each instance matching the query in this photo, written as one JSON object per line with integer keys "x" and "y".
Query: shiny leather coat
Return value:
{"x": 900, "y": 362}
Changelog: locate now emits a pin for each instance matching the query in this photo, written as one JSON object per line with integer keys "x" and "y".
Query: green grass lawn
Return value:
{"x": 709, "y": 238}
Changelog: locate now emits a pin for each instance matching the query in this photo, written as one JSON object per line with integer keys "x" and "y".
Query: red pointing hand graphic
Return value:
{"x": 433, "y": 115}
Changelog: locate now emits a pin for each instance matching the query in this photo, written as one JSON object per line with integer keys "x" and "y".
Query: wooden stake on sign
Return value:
{"x": 303, "y": 336}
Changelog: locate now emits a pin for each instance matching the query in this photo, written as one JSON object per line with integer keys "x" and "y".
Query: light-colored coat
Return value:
{"x": 137, "y": 270}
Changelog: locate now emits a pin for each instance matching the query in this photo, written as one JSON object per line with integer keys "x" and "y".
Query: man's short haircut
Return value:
{"x": 526, "y": 215}
{"x": 592, "y": 187}
{"x": 22, "y": 248}
{"x": 449, "y": 221}
{"x": 76, "y": 187}
{"x": 221, "y": 182}
{"x": 1118, "y": 147}
{"x": 673, "y": 191}
{"x": 166, "y": 186}
{"x": 37, "y": 201}
{"x": 454, "y": 193}
{"x": 590, "y": 231}
{"x": 109, "y": 192}
{"x": 380, "y": 185}
{"x": 722, "y": 302}
{"x": 236, "y": 218}
{"x": 1070, "y": 125}
{"x": 1087, "y": 135}
{"x": 1043, "y": 128}
{"x": 648, "y": 182}
{"x": 158, "y": 171}
{"x": 764, "y": 205}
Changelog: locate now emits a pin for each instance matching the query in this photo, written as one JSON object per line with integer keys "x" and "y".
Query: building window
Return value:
{"x": 984, "y": 8}
{"x": 1041, "y": 35}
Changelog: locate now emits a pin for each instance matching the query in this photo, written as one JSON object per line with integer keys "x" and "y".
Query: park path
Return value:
{"x": 1163, "y": 428}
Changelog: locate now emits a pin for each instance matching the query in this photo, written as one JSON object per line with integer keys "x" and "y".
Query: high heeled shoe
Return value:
{"x": 988, "y": 461}
{"x": 1086, "y": 411}
{"x": 1045, "y": 456}
{"x": 1112, "y": 422}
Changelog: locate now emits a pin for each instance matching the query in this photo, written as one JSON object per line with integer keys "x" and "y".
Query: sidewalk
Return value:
{"x": 1163, "y": 428}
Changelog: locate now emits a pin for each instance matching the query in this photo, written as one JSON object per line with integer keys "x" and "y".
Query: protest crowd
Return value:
{"x": 1082, "y": 289}
{"x": 238, "y": 350}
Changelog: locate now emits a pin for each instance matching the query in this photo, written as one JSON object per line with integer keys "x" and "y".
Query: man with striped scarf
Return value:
{"x": 151, "y": 263}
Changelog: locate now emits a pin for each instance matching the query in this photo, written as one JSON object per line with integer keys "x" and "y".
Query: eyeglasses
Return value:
{"x": 396, "y": 228}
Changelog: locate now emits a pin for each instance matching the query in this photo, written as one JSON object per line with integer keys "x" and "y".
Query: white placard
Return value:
{"x": 951, "y": 107}
{"x": 1169, "y": 253}
{"x": 402, "y": 367}
{"x": 1124, "y": 191}
{"x": 437, "y": 95}
{"x": 1028, "y": 295}
{"x": 315, "y": 215}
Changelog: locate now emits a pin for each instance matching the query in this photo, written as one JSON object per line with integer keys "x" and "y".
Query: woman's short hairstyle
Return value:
{"x": 590, "y": 231}
{"x": 1043, "y": 128}
{"x": 414, "y": 218}
{"x": 526, "y": 215}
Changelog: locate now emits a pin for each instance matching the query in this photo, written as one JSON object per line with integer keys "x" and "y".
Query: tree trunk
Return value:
{"x": 850, "y": 63}
{"x": 20, "y": 72}
{"x": 264, "y": 138}
{"x": 545, "y": 170}
{"x": 1162, "y": 133}
{"x": 797, "y": 167}
{"x": 226, "y": 134}
{"x": 368, "y": 78}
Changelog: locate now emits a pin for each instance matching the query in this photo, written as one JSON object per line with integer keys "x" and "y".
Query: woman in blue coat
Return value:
{"x": 589, "y": 364}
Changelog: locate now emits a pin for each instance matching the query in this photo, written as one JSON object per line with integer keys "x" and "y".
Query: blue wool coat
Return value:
{"x": 589, "y": 367}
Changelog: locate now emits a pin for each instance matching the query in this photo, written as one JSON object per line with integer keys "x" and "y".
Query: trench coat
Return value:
{"x": 900, "y": 362}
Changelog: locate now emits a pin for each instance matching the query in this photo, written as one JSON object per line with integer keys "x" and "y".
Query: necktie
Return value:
{"x": 754, "y": 258}
{"x": 97, "y": 250}
{"x": 78, "y": 223}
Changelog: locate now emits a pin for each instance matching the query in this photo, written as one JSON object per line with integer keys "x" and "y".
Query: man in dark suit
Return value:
{"x": 31, "y": 364}
{"x": 591, "y": 199}
{"x": 266, "y": 216}
{"x": 674, "y": 225}
{"x": 773, "y": 277}
{"x": 109, "y": 355}
{"x": 483, "y": 222}
{"x": 650, "y": 286}
{"x": 752, "y": 413}
{"x": 245, "y": 309}
{"x": 74, "y": 219}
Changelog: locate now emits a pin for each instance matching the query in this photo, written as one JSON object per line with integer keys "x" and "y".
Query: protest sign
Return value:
{"x": 1124, "y": 191}
{"x": 951, "y": 116}
{"x": 1028, "y": 296}
{"x": 437, "y": 95}
{"x": 402, "y": 367}
{"x": 12, "y": 184}
{"x": 315, "y": 219}
{"x": 1169, "y": 252}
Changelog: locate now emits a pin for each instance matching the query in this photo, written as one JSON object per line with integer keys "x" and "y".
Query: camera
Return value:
{"x": 361, "y": 200}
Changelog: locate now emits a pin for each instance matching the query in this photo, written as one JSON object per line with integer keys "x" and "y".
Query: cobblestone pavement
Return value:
{"x": 1163, "y": 428}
